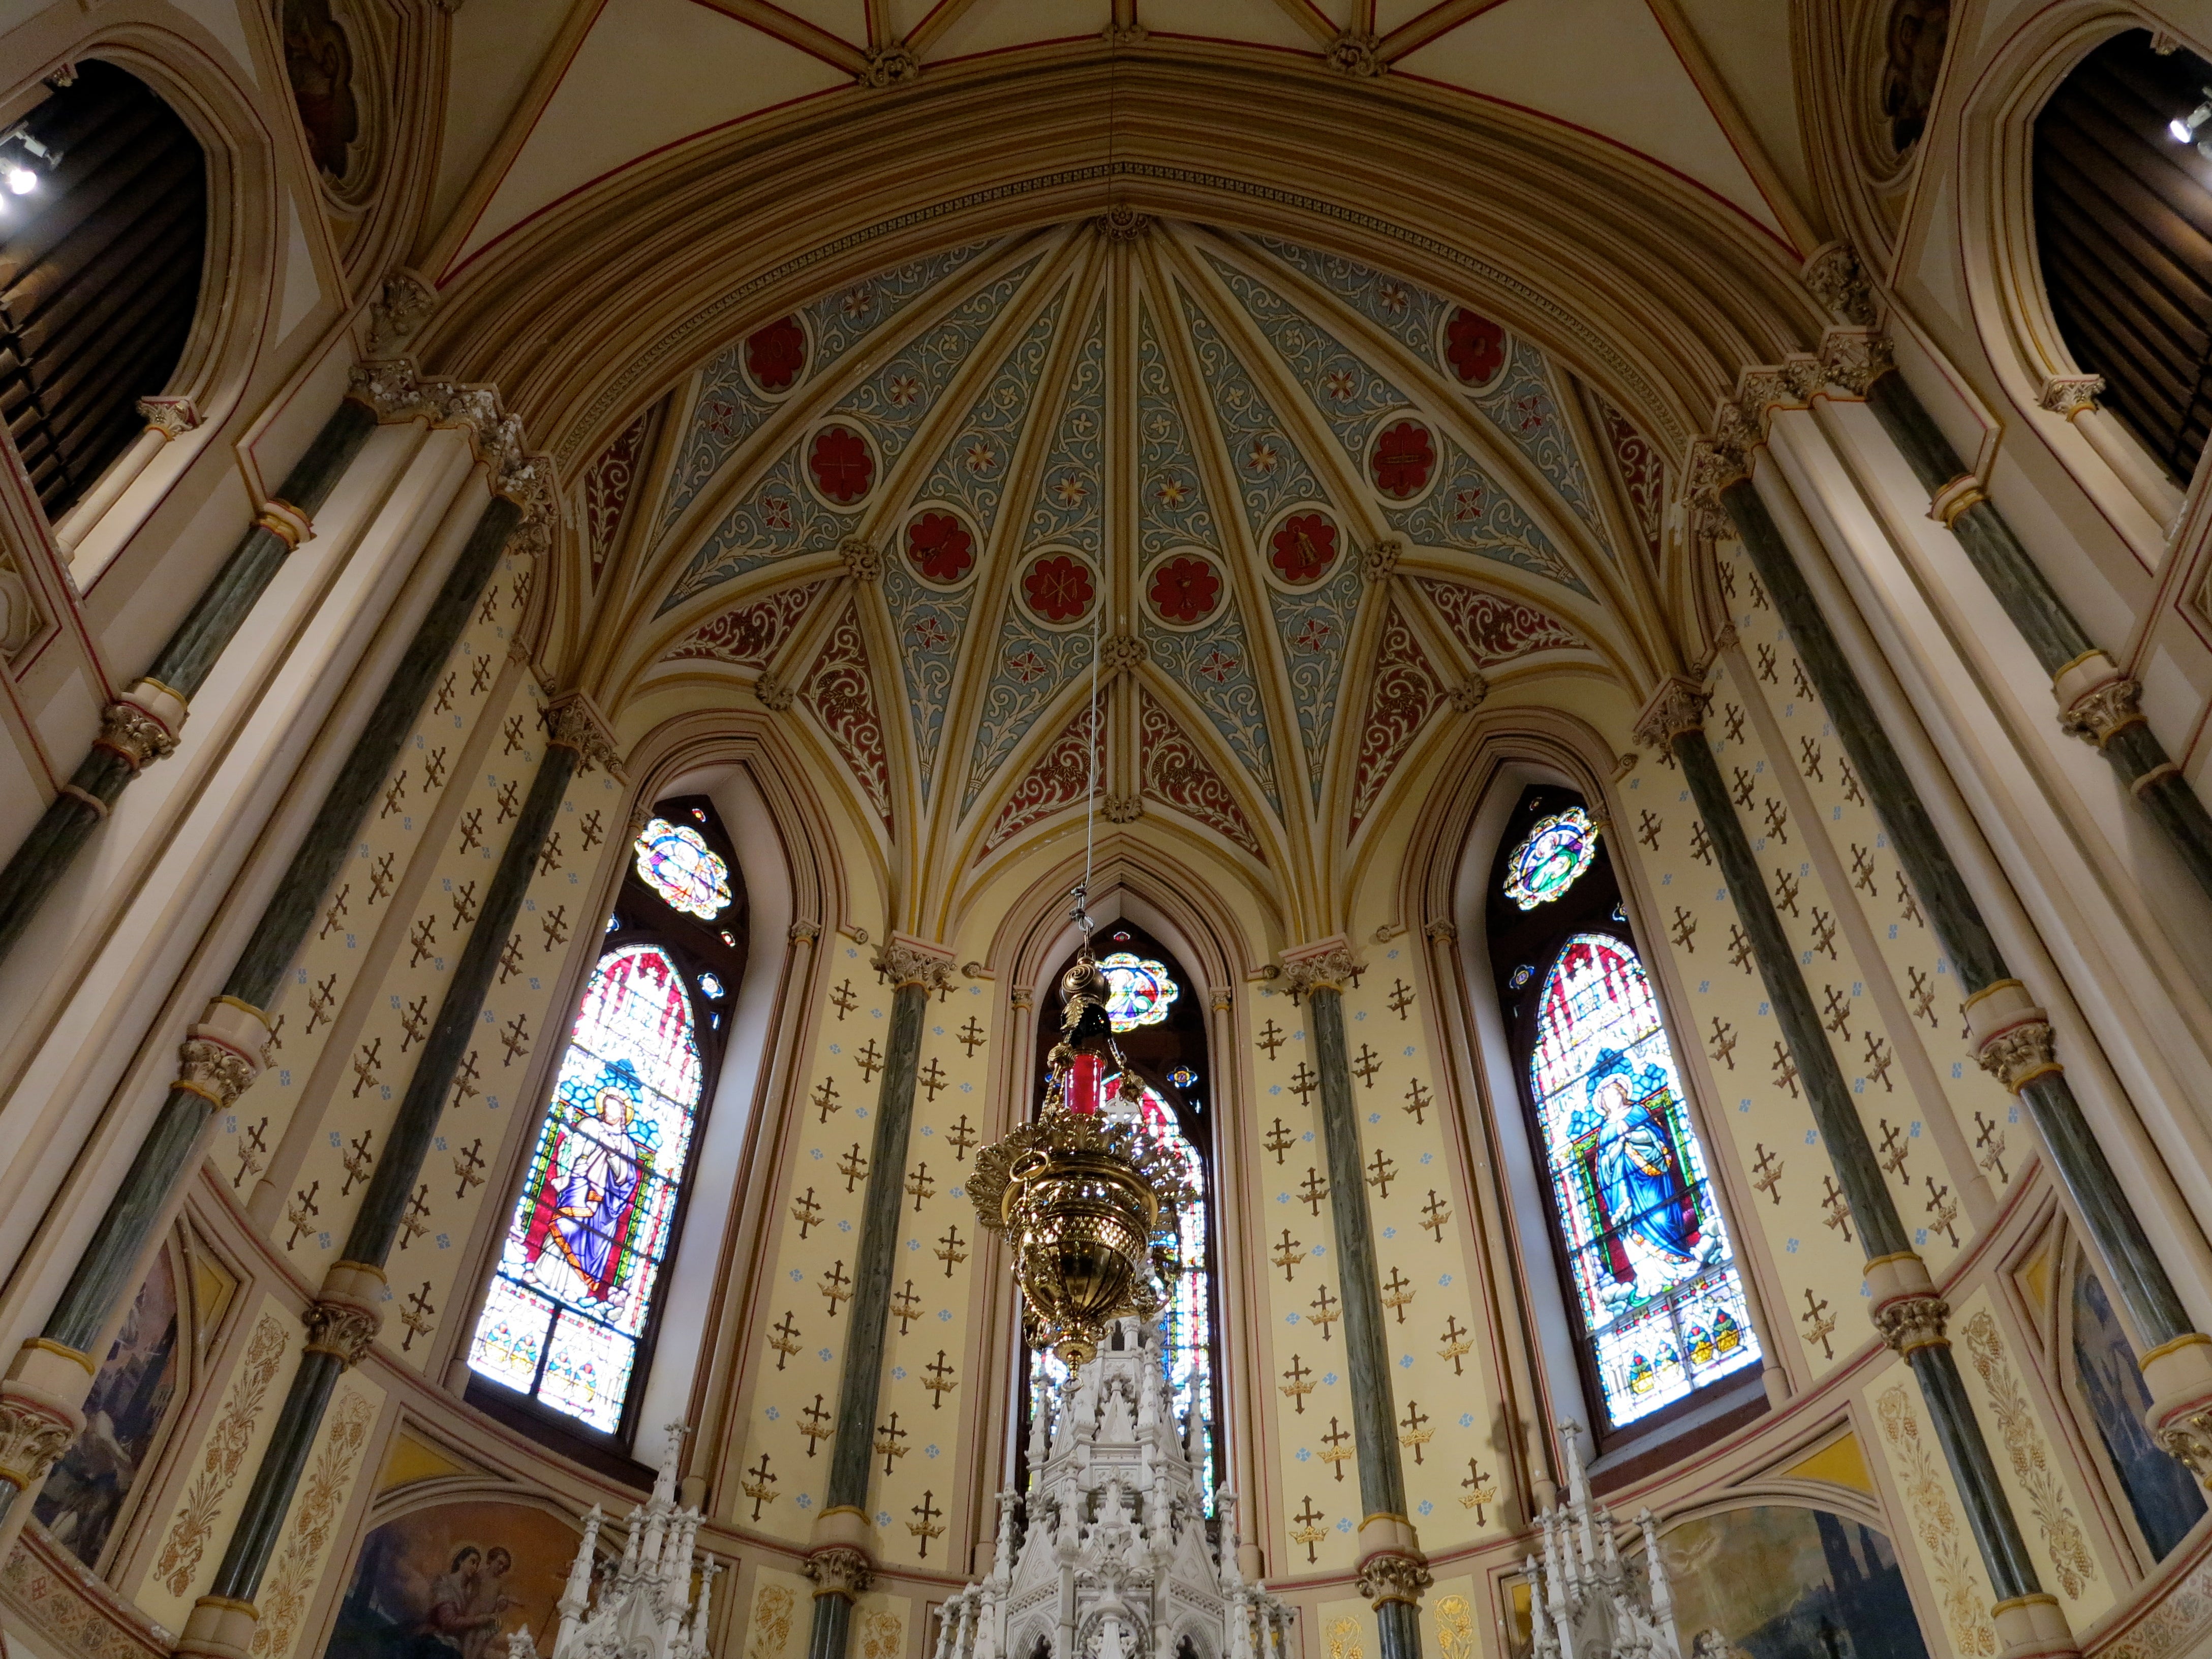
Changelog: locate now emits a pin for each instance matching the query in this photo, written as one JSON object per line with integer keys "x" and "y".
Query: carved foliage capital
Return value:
{"x": 1328, "y": 967}
{"x": 399, "y": 312}
{"x": 344, "y": 1329}
{"x": 1835, "y": 278}
{"x": 170, "y": 416}
{"x": 1379, "y": 563}
{"x": 840, "y": 1570}
{"x": 1467, "y": 696}
{"x": 1122, "y": 809}
{"x": 1117, "y": 652}
{"x": 1913, "y": 1321}
{"x": 903, "y": 962}
{"x": 2103, "y": 712}
{"x": 2071, "y": 394}
{"x": 863, "y": 562}
{"x": 34, "y": 1431}
{"x": 573, "y": 723}
{"x": 129, "y": 731}
{"x": 2020, "y": 1054}
{"x": 1677, "y": 706}
{"x": 890, "y": 66}
{"x": 1390, "y": 1576}
{"x": 215, "y": 1070}
{"x": 772, "y": 694}
{"x": 2184, "y": 1430}
{"x": 1357, "y": 54}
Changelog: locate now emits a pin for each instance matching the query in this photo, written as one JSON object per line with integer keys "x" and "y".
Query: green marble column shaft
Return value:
{"x": 376, "y": 1224}
{"x": 130, "y": 739}
{"x": 1366, "y": 1347}
{"x": 2051, "y": 630}
{"x": 1882, "y": 1234}
{"x": 2137, "y": 1274}
{"x": 103, "y": 1274}
{"x": 839, "y": 1572}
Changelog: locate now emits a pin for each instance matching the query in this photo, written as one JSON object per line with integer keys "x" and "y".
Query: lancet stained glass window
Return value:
{"x": 574, "y": 1284}
{"x": 568, "y": 1319}
{"x": 1657, "y": 1287}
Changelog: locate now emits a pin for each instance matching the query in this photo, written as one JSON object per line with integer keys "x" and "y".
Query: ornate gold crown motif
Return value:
{"x": 1087, "y": 1198}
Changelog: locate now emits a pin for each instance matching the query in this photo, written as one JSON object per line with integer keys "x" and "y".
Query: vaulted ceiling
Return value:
{"x": 1307, "y": 510}
{"x": 550, "y": 102}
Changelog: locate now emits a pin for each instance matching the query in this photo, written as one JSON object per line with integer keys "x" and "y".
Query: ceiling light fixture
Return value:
{"x": 2183, "y": 127}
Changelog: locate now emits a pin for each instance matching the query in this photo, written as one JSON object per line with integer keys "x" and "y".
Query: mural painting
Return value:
{"x": 85, "y": 1494}
{"x": 1774, "y": 1582}
{"x": 2165, "y": 1501}
{"x": 318, "y": 60}
{"x": 454, "y": 1582}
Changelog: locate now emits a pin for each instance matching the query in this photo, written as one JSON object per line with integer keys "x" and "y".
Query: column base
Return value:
{"x": 220, "y": 1627}
{"x": 2179, "y": 1376}
{"x": 2034, "y": 1627}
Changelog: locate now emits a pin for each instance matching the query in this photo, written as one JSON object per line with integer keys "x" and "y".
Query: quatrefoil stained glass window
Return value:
{"x": 1143, "y": 990}
{"x": 675, "y": 861}
{"x": 1552, "y": 858}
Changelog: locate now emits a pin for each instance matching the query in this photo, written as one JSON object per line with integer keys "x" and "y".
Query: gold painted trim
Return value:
{"x": 186, "y": 1086}
{"x": 98, "y": 806}
{"x": 45, "y": 1345}
{"x": 1990, "y": 990}
{"x": 1894, "y": 1256}
{"x": 2189, "y": 1339}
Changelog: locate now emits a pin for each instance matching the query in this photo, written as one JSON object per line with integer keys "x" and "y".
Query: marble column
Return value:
{"x": 2012, "y": 1038}
{"x": 2096, "y": 701}
{"x": 141, "y": 724}
{"x": 222, "y": 1053}
{"x": 1907, "y": 1310}
{"x": 344, "y": 1319}
{"x": 841, "y": 1558}
{"x": 1393, "y": 1571}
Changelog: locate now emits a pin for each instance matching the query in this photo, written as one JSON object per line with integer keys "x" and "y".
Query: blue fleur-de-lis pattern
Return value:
{"x": 779, "y": 516}
{"x": 1214, "y": 664}
{"x": 1171, "y": 509}
{"x": 971, "y": 469}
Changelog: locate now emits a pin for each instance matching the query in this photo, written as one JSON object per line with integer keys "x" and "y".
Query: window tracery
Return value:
{"x": 1644, "y": 1247}
{"x": 567, "y": 1321}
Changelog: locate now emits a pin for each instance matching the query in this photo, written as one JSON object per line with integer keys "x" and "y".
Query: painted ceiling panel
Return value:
{"x": 972, "y": 454}
{"x": 1503, "y": 377}
{"x": 494, "y": 50}
{"x": 1602, "y": 64}
{"x": 1748, "y": 41}
{"x": 846, "y": 19}
{"x": 742, "y": 387}
{"x": 703, "y": 69}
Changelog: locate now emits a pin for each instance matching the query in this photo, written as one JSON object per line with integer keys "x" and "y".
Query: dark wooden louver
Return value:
{"x": 2123, "y": 220}
{"x": 100, "y": 275}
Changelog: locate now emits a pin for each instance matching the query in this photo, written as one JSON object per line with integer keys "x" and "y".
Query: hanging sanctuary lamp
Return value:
{"x": 1085, "y": 1194}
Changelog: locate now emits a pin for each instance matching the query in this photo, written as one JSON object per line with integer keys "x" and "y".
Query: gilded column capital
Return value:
{"x": 1324, "y": 967}
{"x": 805, "y": 933}
{"x": 1907, "y": 1311}
{"x": 170, "y": 416}
{"x": 1441, "y": 932}
{"x": 904, "y": 960}
{"x": 399, "y": 311}
{"x": 1387, "y": 1575}
{"x": 2011, "y": 1034}
{"x": 1677, "y": 705}
{"x": 572, "y": 720}
{"x": 141, "y": 724}
{"x": 1855, "y": 358}
{"x": 839, "y": 1570}
{"x": 41, "y": 1410}
{"x": 2096, "y": 701}
{"x": 2178, "y": 1375}
{"x": 2071, "y": 394}
{"x": 344, "y": 1319}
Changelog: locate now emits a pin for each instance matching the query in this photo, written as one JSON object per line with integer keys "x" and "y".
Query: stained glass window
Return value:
{"x": 1556, "y": 853}
{"x": 1142, "y": 990}
{"x": 1654, "y": 1278}
{"x": 573, "y": 1289}
{"x": 675, "y": 861}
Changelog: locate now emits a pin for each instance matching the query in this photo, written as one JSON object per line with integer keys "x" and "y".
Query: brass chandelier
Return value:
{"x": 1085, "y": 1194}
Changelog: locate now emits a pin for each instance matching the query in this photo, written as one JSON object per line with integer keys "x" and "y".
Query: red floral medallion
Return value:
{"x": 842, "y": 465}
{"x": 1302, "y": 550}
{"x": 1059, "y": 587}
{"x": 1405, "y": 455}
{"x": 1474, "y": 347}
{"x": 775, "y": 356}
{"x": 1184, "y": 590}
{"x": 940, "y": 547}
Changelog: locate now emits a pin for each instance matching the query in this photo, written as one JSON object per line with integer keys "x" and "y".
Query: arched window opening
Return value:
{"x": 2123, "y": 193}
{"x": 1159, "y": 1024}
{"x": 1640, "y": 1238}
{"x": 568, "y": 1321}
{"x": 103, "y": 233}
